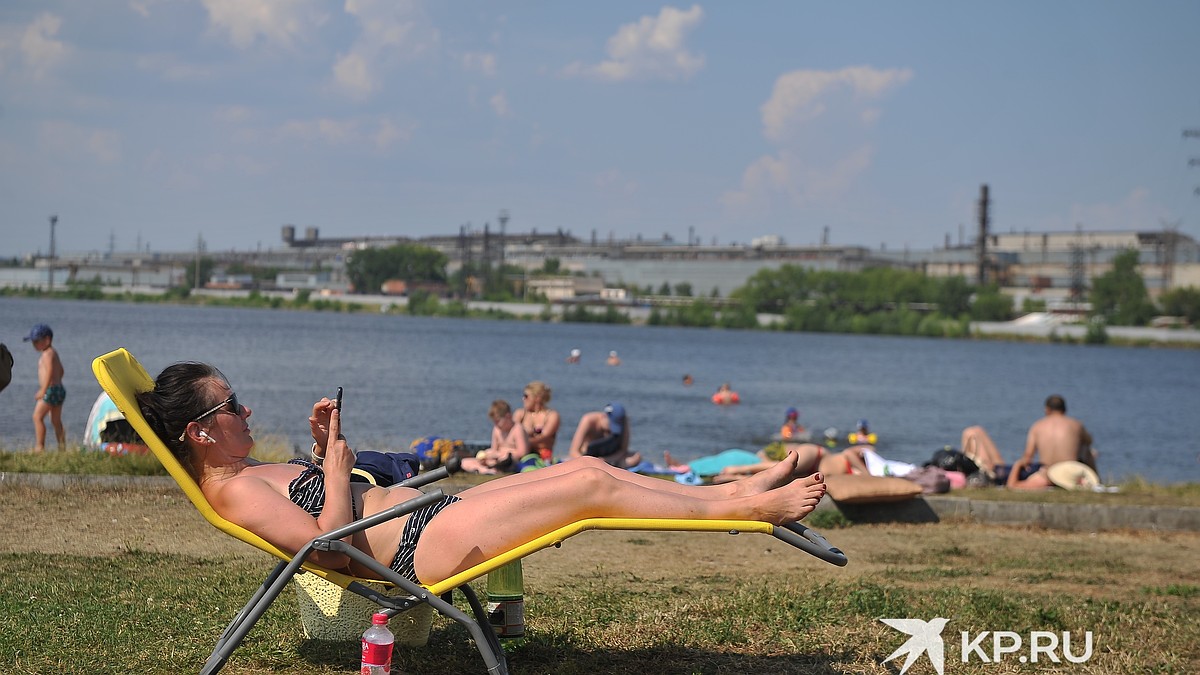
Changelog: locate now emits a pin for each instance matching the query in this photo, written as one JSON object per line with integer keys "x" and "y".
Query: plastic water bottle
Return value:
{"x": 377, "y": 644}
{"x": 506, "y": 600}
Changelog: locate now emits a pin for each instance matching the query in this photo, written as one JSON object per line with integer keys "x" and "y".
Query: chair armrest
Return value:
{"x": 321, "y": 543}
{"x": 810, "y": 541}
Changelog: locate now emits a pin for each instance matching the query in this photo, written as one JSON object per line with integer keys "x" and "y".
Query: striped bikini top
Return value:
{"x": 308, "y": 489}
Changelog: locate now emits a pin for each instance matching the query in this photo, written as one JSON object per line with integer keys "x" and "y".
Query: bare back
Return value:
{"x": 1059, "y": 438}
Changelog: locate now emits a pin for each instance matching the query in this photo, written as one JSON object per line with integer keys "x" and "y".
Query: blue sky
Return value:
{"x": 162, "y": 120}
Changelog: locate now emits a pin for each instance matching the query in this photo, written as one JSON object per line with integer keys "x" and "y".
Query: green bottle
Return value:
{"x": 506, "y": 600}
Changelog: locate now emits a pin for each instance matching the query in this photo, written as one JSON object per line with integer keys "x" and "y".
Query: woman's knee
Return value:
{"x": 591, "y": 480}
{"x": 588, "y": 462}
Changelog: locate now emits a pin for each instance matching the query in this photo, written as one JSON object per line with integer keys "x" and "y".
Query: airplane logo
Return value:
{"x": 925, "y": 637}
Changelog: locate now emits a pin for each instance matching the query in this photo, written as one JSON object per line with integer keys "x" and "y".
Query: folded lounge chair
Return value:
{"x": 123, "y": 378}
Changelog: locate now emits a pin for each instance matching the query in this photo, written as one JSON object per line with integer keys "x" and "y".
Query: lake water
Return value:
{"x": 407, "y": 377}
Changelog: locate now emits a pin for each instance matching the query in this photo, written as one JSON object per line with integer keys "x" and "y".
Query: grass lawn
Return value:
{"x": 120, "y": 580}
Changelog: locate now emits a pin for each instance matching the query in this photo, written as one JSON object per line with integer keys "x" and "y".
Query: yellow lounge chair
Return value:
{"x": 120, "y": 374}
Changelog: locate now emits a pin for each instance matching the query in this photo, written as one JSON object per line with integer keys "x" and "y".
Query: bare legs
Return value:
{"x": 39, "y": 425}
{"x": 978, "y": 445}
{"x": 1038, "y": 480}
{"x": 773, "y": 479}
{"x": 488, "y": 522}
{"x": 807, "y": 458}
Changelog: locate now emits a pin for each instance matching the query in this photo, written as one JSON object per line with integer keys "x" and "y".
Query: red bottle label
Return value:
{"x": 377, "y": 656}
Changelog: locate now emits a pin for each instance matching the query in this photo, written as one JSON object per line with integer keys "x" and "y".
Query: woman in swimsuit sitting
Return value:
{"x": 199, "y": 417}
{"x": 540, "y": 422}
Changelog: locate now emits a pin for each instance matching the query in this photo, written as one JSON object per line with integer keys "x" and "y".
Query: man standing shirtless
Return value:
{"x": 1054, "y": 438}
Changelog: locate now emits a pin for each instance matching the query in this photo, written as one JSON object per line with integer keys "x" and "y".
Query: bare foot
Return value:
{"x": 793, "y": 501}
{"x": 669, "y": 461}
{"x": 777, "y": 476}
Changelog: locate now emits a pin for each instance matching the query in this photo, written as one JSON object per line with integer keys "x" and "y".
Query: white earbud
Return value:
{"x": 206, "y": 437}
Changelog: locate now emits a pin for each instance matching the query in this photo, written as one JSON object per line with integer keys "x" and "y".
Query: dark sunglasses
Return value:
{"x": 229, "y": 405}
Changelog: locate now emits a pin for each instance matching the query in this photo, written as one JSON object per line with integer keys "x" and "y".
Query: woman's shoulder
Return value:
{"x": 274, "y": 474}
{"x": 246, "y": 487}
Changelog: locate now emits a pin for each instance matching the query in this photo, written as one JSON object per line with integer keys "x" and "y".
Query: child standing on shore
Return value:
{"x": 51, "y": 392}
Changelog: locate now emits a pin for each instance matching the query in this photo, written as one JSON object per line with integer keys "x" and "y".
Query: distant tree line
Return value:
{"x": 875, "y": 300}
{"x": 369, "y": 268}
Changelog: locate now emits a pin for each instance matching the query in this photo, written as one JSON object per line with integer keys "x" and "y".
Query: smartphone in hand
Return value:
{"x": 338, "y": 401}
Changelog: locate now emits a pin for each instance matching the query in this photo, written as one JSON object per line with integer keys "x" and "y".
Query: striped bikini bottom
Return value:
{"x": 405, "y": 554}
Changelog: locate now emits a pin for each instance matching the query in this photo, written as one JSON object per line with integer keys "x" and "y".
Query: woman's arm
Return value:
{"x": 582, "y": 432}
{"x": 255, "y": 504}
{"x": 549, "y": 431}
{"x": 518, "y": 443}
{"x": 339, "y": 461}
{"x": 260, "y": 507}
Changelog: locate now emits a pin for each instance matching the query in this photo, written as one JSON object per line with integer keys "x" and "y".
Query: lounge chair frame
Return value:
{"x": 120, "y": 374}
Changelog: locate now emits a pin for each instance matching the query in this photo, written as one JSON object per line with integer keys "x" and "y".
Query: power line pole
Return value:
{"x": 1169, "y": 238}
{"x": 53, "y": 223}
{"x": 503, "y": 222}
{"x": 981, "y": 243}
{"x": 196, "y": 271}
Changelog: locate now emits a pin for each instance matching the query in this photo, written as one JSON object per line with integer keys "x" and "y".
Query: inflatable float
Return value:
{"x": 726, "y": 398}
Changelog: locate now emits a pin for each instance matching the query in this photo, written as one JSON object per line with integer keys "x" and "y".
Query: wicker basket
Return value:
{"x": 329, "y": 612}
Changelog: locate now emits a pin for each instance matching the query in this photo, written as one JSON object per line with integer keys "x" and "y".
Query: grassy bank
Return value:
{"x": 132, "y": 580}
{"x": 86, "y": 461}
{"x": 700, "y": 313}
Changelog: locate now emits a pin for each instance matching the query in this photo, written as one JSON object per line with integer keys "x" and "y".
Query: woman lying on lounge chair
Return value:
{"x": 194, "y": 410}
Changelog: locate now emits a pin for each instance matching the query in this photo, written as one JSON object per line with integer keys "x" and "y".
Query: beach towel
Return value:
{"x": 712, "y": 464}
{"x": 878, "y": 466}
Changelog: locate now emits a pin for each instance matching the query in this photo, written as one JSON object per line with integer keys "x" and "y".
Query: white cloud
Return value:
{"x": 142, "y": 7}
{"x": 477, "y": 62}
{"x": 168, "y": 67}
{"x": 388, "y": 133}
{"x": 354, "y": 76}
{"x": 499, "y": 104}
{"x": 799, "y": 182}
{"x": 40, "y": 51}
{"x": 390, "y": 32}
{"x": 75, "y": 142}
{"x": 378, "y": 134}
{"x": 233, "y": 114}
{"x": 819, "y": 156}
{"x": 799, "y": 96}
{"x": 613, "y": 182}
{"x": 1135, "y": 211}
{"x": 220, "y": 163}
{"x": 651, "y": 49}
{"x": 278, "y": 23}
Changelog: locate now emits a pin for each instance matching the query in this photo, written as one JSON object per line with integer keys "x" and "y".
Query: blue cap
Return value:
{"x": 38, "y": 332}
{"x": 616, "y": 418}
{"x": 791, "y": 412}
{"x": 862, "y": 424}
